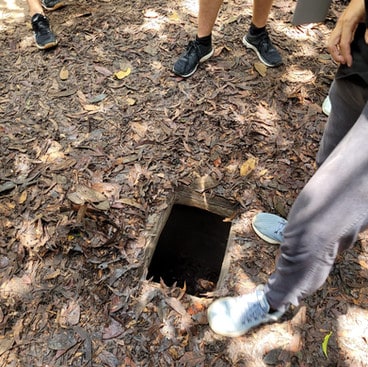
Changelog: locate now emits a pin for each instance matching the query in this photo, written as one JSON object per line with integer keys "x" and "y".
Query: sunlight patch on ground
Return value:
{"x": 306, "y": 50}
{"x": 295, "y": 74}
{"x": 11, "y": 11}
{"x": 26, "y": 42}
{"x": 16, "y": 287}
{"x": 153, "y": 20}
{"x": 316, "y": 32}
{"x": 274, "y": 337}
{"x": 191, "y": 5}
{"x": 303, "y": 32}
{"x": 353, "y": 331}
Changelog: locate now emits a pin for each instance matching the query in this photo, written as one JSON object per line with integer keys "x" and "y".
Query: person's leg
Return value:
{"x": 331, "y": 210}
{"x": 345, "y": 110}
{"x": 261, "y": 11}
{"x": 35, "y": 7}
{"x": 257, "y": 37}
{"x": 200, "y": 49}
{"x": 326, "y": 218}
{"x": 207, "y": 15}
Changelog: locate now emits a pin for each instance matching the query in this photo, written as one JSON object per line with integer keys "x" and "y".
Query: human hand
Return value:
{"x": 341, "y": 37}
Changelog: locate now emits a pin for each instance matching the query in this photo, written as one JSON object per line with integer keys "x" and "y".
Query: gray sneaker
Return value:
{"x": 53, "y": 4}
{"x": 234, "y": 316}
{"x": 263, "y": 47}
{"x": 269, "y": 227}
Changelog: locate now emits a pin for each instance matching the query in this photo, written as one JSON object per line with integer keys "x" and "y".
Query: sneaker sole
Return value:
{"x": 262, "y": 236}
{"x": 249, "y": 45}
{"x": 56, "y": 6}
{"x": 236, "y": 334}
{"x": 47, "y": 46}
{"x": 203, "y": 59}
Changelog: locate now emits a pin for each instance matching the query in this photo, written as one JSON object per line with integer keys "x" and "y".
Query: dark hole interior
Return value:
{"x": 190, "y": 249}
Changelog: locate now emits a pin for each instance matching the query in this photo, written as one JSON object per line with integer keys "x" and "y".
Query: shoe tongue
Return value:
{"x": 37, "y": 17}
{"x": 41, "y": 20}
{"x": 42, "y": 24}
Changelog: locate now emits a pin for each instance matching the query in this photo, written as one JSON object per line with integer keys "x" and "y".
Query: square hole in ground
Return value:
{"x": 190, "y": 249}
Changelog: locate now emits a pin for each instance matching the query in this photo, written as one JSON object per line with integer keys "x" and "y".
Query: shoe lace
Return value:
{"x": 265, "y": 42}
{"x": 43, "y": 26}
{"x": 193, "y": 47}
{"x": 254, "y": 311}
{"x": 279, "y": 230}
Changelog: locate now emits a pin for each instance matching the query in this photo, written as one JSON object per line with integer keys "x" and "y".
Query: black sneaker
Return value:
{"x": 52, "y": 4}
{"x": 43, "y": 36}
{"x": 264, "y": 48}
{"x": 194, "y": 54}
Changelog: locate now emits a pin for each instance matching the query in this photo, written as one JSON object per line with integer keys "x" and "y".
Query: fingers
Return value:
{"x": 343, "y": 34}
{"x": 333, "y": 45}
{"x": 337, "y": 55}
{"x": 339, "y": 42}
{"x": 347, "y": 37}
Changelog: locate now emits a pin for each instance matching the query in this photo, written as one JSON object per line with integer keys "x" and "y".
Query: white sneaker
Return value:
{"x": 326, "y": 106}
{"x": 234, "y": 316}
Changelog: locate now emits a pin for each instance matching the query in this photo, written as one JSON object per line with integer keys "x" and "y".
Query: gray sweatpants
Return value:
{"x": 332, "y": 208}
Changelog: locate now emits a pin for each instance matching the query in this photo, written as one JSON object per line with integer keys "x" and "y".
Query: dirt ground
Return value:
{"x": 96, "y": 137}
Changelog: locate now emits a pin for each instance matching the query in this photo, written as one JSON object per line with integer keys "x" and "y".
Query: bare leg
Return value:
{"x": 257, "y": 37}
{"x": 261, "y": 11}
{"x": 208, "y": 10}
{"x": 35, "y": 7}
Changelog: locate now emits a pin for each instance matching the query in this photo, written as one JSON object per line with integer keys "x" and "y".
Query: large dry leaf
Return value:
{"x": 192, "y": 359}
{"x": 108, "y": 359}
{"x": 98, "y": 98}
{"x": 113, "y": 330}
{"x": 127, "y": 201}
{"x": 140, "y": 128}
{"x": 16, "y": 286}
{"x": 64, "y": 93}
{"x": 176, "y": 305}
{"x": 248, "y": 166}
{"x": 64, "y": 73}
{"x": 102, "y": 70}
{"x": 146, "y": 297}
{"x": 121, "y": 74}
{"x": 7, "y": 186}
{"x": 91, "y": 107}
{"x": 84, "y": 194}
{"x": 69, "y": 314}
{"x": 261, "y": 68}
{"x": 62, "y": 341}
{"x": 174, "y": 17}
{"x": 5, "y": 344}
